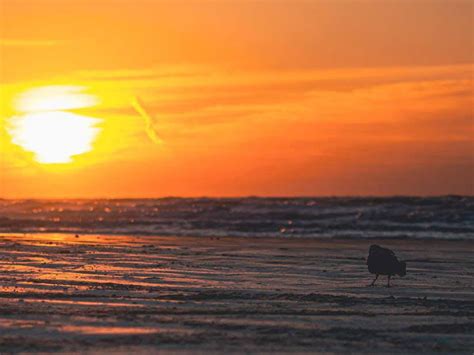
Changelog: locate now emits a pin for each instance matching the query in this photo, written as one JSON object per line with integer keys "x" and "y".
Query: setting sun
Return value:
{"x": 53, "y": 136}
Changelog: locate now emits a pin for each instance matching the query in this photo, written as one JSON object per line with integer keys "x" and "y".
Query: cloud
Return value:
{"x": 141, "y": 74}
{"x": 149, "y": 123}
{"x": 191, "y": 100}
{"x": 29, "y": 43}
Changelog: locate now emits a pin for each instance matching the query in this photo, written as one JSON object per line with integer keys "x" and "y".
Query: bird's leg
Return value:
{"x": 388, "y": 281}
{"x": 373, "y": 282}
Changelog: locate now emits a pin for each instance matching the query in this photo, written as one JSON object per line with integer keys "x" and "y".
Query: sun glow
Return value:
{"x": 52, "y": 134}
{"x": 54, "y": 98}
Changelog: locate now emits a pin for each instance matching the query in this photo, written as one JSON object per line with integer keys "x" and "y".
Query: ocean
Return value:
{"x": 446, "y": 217}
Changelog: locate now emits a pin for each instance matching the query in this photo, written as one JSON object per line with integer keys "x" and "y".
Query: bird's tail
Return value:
{"x": 402, "y": 271}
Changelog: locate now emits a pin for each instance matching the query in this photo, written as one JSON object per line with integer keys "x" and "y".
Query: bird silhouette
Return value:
{"x": 382, "y": 261}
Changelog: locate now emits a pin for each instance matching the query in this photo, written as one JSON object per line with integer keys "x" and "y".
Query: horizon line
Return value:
{"x": 238, "y": 197}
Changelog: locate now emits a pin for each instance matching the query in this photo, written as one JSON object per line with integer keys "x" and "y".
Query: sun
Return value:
{"x": 54, "y": 136}
{"x": 46, "y": 127}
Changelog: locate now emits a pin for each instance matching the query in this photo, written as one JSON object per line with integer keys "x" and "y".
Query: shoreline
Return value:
{"x": 120, "y": 236}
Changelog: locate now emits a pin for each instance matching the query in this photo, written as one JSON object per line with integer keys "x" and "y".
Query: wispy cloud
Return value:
{"x": 149, "y": 125}
{"x": 6, "y": 42}
{"x": 190, "y": 101}
{"x": 168, "y": 72}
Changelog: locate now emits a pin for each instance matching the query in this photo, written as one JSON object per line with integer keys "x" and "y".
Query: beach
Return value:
{"x": 112, "y": 294}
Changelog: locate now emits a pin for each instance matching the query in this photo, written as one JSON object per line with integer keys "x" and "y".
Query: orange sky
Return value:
{"x": 289, "y": 97}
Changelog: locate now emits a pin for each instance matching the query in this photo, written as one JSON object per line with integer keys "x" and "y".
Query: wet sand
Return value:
{"x": 142, "y": 294}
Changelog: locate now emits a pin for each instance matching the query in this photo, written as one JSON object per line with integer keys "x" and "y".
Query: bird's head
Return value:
{"x": 373, "y": 248}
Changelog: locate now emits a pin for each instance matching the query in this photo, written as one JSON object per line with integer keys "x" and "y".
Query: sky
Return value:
{"x": 151, "y": 98}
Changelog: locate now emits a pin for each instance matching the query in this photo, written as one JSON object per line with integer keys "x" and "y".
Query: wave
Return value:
{"x": 447, "y": 217}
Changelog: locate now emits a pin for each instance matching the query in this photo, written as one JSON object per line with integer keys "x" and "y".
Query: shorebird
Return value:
{"x": 382, "y": 261}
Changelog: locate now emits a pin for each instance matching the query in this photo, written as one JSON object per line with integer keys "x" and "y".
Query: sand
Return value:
{"x": 99, "y": 294}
